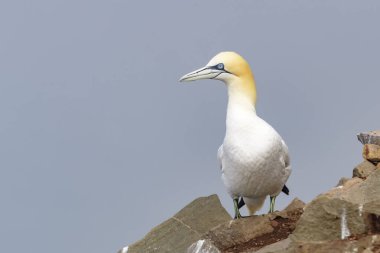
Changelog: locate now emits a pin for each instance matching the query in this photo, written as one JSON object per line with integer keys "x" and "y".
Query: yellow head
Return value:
{"x": 230, "y": 68}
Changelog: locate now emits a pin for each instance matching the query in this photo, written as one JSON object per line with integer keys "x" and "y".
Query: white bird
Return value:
{"x": 254, "y": 159}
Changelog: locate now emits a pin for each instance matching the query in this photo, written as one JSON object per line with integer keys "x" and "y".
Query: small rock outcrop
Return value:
{"x": 179, "y": 232}
{"x": 372, "y": 137}
{"x": 344, "y": 219}
{"x": 371, "y": 148}
{"x": 364, "y": 169}
{"x": 203, "y": 245}
{"x": 252, "y": 233}
{"x": 341, "y": 212}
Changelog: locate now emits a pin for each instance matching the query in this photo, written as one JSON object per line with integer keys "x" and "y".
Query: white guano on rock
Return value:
{"x": 345, "y": 232}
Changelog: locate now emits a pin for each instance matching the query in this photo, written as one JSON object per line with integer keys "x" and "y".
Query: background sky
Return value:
{"x": 99, "y": 142}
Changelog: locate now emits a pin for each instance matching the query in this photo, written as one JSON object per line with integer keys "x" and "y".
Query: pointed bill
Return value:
{"x": 202, "y": 73}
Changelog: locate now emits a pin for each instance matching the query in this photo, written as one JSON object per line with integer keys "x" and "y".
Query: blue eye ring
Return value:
{"x": 220, "y": 66}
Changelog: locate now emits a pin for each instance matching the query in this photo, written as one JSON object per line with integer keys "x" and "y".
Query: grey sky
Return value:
{"x": 99, "y": 142}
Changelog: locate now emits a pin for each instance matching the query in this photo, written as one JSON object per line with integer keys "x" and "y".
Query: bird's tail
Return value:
{"x": 285, "y": 190}
{"x": 254, "y": 204}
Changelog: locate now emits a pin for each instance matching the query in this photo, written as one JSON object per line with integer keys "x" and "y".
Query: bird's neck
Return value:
{"x": 242, "y": 90}
{"x": 241, "y": 103}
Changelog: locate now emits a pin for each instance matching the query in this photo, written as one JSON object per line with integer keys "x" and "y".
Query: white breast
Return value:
{"x": 254, "y": 158}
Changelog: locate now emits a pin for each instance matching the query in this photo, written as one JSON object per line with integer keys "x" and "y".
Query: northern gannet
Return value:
{"x": 253, "y": 158}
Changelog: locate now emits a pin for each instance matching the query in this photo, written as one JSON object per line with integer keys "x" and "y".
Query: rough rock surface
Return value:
{"x": 372, "y": 137}
{"x": 343, "y": 211}
{"x": 343, "y": 219}
{"x": 252, "y": 233}
{"x": 371, "y": 152}
{"x": 364, "y": 169}
{"x": 179, "y": 232}
{"x": 366, "y": 244}
{"x": 342, "y": 181}
{"x": 279, "y": 246}
{"x": 203, "y": 246}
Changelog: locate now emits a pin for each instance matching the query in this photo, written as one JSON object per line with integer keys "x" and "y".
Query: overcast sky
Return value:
{"x": 99, "y": 142}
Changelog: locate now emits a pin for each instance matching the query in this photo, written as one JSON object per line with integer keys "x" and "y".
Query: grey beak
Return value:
{"x": 202, "y": 73}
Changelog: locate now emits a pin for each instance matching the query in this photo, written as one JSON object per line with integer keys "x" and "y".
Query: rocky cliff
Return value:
{"x": 343, "y": 219}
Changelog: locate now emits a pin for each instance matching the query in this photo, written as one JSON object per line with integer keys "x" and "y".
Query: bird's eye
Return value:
{"x": 220, "y": 66}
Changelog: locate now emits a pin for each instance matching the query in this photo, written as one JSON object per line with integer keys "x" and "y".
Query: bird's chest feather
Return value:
{"x": 250, "y": 141}
{"x": 252, "y": 153}
{"x": 251, "y": 149}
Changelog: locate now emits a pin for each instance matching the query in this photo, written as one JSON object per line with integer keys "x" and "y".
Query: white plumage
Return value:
{"x": 253, "y": 158}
